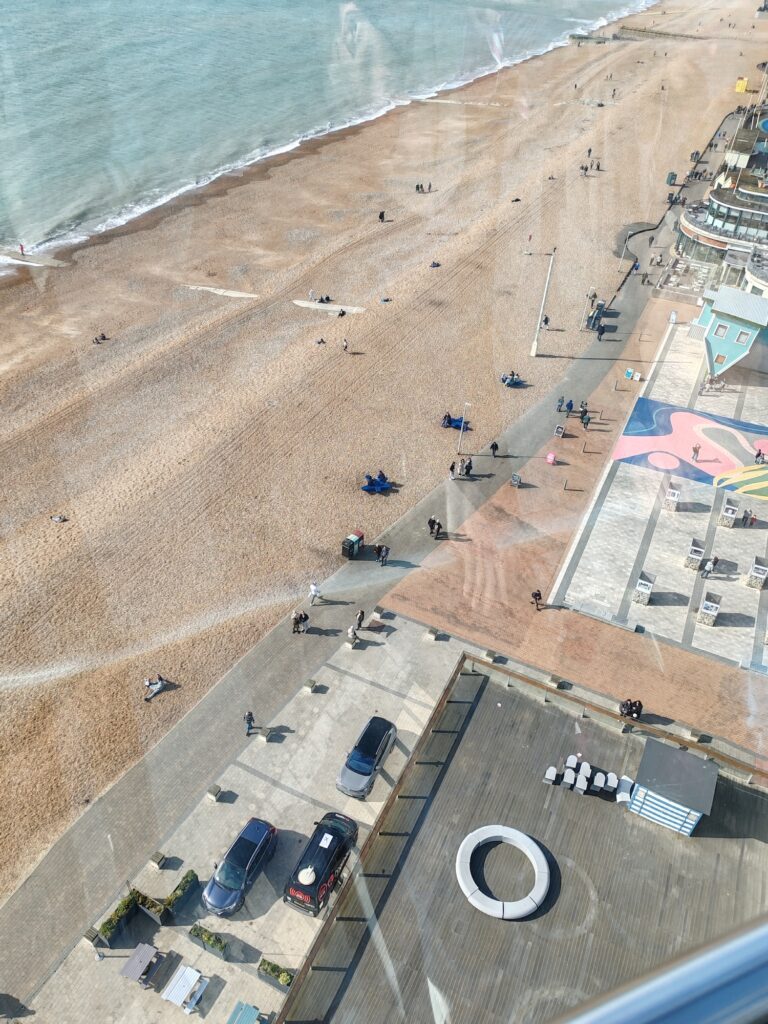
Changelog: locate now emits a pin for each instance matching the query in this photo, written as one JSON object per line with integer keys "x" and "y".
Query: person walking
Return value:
{"x": 545, "y": 322}
{"x": 708, "y": 567}
{"x": 345, "y": 345}
{"x": 745, "y": 516}
{"x": 494, "y": 448}
{"x": 560, "y": 403}
{"x": 461, "y": 467}
{"x": 695, "y": 452}
{"x": 468, "y": 467}
{"x": 431, "y": 524}
{"x": 452, "y": 471}
{"x": 359, "y": 618}
{"x": 384, "y": 555}
{"x": 248, "y": 719}
{"x": 759, "y": 459}
{"x": 381, "y": 216}
{"x": 586, "y": 419}
{"x": 589, "y": 153}
{"x": 752, "y": 518}
{"x": 600, "y": 332}
{"x": 429, "y": 186}
{"x": 352, "y": 636}
{"x": 296, "y": 622}
{"x": 311, "y": 295}
{"x": 303, "y": 620}
{"x": 569, "y": 407}
{"x": 314, "y": 593}
{"x": 377, "y": 551}
{"x": 438, "y": 528}
{"x": 536, "y": 599}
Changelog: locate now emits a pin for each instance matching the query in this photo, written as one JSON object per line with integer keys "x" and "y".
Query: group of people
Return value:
{"x": 464, "y": 468}
{"x": 435, "y": 526}
{"x": 511, "y": 378}
{"x": 299, "y": 619}
{"x": 760, "y": 457}
{"x": 99, "y": 338}
{"x": 382, "y": 554}
{"x": 631, "y": 709}
{"x": 748, "y": 517}
{"x": 420, "y": 188}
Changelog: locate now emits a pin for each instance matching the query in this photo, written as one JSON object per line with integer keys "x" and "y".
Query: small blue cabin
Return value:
{"x": 735, "y": 327}
{"x": 673, "y": 787}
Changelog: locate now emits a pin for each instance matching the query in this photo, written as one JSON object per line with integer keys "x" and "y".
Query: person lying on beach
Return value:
{"x": 446, "y": 420}
{"x": 320, "y": 341}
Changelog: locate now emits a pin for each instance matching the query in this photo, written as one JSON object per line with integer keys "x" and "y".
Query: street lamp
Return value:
{"x": 626, "y": 240}
{"x": 467, "y": 405}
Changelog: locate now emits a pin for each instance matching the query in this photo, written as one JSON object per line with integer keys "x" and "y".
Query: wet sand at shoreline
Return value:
{"x": 209, "y": 456}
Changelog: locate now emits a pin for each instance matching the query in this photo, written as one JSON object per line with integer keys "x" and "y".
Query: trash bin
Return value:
{"x": 352, "y": 546}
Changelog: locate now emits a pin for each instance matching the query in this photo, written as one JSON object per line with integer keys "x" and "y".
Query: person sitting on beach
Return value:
{"x": 504, "y": 378}
{"x": 446, "y": 420}
{"x": 342, "y": 312}
{"x": 381, "y": 476}
{"x": 433, "y": 265}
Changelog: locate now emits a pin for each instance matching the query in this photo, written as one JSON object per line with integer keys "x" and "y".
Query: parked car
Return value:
{"x": 256, "y": 844}
{"x": 359, "y": 772}
{"x": 319, "y": 869}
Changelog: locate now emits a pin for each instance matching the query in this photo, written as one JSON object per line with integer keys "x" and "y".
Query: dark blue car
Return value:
{"x": 256, "y": 844}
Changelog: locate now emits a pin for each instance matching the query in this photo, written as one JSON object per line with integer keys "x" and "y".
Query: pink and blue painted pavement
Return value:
{"x": 661, "y": 436}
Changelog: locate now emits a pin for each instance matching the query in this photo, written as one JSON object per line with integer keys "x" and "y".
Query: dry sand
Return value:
{"x": 209, "y": 457}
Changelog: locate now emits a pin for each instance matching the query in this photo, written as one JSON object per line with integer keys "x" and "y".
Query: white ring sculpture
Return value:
{"x": 495, "y": 908}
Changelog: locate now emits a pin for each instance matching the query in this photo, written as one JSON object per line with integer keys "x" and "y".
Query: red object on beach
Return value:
{"x": 551, "y": 458}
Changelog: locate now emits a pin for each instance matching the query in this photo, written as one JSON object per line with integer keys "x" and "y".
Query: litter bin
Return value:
{"x": 352, "y": 546}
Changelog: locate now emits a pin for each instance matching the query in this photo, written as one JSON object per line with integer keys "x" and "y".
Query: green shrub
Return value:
{"x": 156, "y": 906}
{"x": 189, "y": 879}
{"x": 124, "y": 909}
{"x": 275, "y": 971}
{"x": 212, "y": 939}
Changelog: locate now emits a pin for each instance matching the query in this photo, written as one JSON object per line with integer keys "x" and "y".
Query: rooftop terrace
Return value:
{"x": 616, "y": 907}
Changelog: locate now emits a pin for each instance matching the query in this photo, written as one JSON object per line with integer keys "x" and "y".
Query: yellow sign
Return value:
{"x": 741, "y": 85}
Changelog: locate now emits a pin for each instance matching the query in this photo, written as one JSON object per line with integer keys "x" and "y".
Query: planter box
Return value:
{"x": 157, "y": 911}
{"x": 222, "y": 954}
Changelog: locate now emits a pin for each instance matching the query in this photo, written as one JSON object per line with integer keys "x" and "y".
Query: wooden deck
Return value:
{"x": 626, "y": 895}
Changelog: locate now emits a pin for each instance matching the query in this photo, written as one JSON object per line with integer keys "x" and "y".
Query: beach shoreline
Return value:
{"x": 208, "y": 457}
{"x": 222, "y": 182}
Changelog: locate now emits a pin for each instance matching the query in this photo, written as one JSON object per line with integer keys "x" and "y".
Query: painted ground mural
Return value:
{"x": 713, "y": 450}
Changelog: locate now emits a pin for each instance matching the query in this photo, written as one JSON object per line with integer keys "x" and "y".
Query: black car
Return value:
{"x": 256, "y": 844}
{"x": 313, "y": 879}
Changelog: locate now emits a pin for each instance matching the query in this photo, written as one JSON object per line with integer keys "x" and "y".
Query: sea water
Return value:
{"x": 111, "y": 107}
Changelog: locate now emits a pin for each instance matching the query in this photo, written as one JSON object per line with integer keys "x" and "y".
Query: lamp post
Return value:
{"x": 626, "y": 240}
{"x": 467, "y": 405}
{"x": 535, "y": 345}
{"x": 587, "y": 299}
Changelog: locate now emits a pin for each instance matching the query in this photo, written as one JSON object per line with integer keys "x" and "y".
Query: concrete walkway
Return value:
{"x": 80, "y": 875}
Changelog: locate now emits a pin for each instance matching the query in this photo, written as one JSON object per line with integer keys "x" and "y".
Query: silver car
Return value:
{"x": 365, "y": 759}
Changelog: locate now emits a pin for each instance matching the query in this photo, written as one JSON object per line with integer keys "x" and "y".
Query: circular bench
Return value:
{"x": 509, "y": 911}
